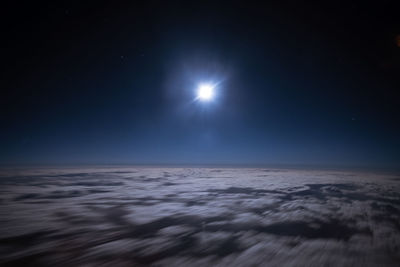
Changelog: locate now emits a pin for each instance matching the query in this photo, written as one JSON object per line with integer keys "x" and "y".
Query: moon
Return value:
{"x": 205, "y": 92}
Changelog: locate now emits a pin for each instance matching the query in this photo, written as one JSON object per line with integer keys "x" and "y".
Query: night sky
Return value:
{"x": 115, "y": 83}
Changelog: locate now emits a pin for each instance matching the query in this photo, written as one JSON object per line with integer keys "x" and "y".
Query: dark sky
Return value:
{"x": 114, "y": 82}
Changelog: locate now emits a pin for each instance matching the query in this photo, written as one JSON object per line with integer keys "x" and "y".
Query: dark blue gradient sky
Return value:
{"x": 101, "y": 83}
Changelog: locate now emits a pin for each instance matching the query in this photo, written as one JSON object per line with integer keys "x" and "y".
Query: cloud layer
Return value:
{"x": 197, "y": 217}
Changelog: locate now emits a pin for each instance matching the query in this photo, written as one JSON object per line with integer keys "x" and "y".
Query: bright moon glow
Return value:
{"x": 205, "y": 92}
